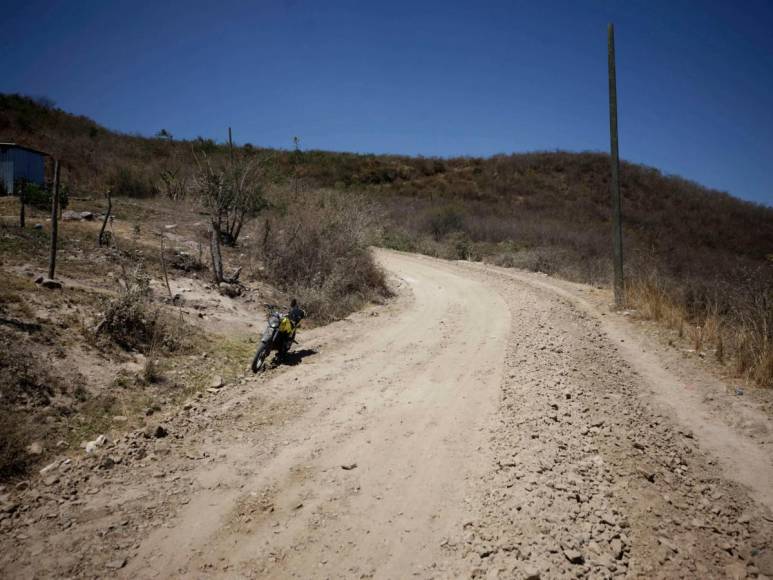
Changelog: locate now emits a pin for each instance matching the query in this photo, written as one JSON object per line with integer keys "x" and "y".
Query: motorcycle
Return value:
{"x": 279, "y": 336}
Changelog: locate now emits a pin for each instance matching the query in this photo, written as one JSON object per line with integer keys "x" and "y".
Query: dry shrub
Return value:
{"x": 753, "y": 339}
{"x": 444, "y": 221}
{"x": 128, "y": 320}
{"x": 13, "y": 455}
{"x": 653, "y": 301}
{"x": 733, "y": 318}
{"x": 318, "y": 251}
{"x": 131, "y": 182}
{"x": 24, "y": 380}
{"x": 132, "y": 321}
{"x": 26, "y": 387}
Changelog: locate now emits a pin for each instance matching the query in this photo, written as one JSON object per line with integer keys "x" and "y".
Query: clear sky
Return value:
{"x": 695, "y": 79}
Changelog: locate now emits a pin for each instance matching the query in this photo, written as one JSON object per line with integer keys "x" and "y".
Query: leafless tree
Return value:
{"x": 233, "y": 194}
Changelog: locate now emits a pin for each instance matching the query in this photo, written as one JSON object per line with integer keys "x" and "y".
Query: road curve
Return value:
{"x": 485, "y": 423}
{"x": 405, "y": 404}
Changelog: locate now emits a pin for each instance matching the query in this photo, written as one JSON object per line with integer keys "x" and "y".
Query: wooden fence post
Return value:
{"x": 54, "y": 222}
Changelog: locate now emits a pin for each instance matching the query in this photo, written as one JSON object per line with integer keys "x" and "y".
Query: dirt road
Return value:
{"x": 486, "y": 423}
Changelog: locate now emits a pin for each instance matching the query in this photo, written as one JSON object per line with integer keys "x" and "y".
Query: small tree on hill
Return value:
{"x": 233, "y": 194}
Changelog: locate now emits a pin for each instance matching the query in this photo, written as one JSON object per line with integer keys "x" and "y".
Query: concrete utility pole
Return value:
{"x": 230, "y": 147}
{"x": 54, "y": 222}
{"x": 617, "y": 226}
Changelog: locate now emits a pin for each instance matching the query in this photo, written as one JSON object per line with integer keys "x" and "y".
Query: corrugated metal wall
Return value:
{"x": 20, "y": 164}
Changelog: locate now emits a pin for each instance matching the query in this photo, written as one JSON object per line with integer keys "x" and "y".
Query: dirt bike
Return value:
{"x": 278, "y": 336}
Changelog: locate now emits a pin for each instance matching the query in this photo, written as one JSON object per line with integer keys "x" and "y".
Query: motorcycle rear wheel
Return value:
{"x": 260, "y": 357}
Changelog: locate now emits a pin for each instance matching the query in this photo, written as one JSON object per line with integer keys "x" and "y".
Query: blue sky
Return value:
{"x": 695, "y": 79}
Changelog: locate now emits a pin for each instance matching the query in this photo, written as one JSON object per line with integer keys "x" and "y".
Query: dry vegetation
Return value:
{"x": 697, "y": 259}
{"x": 111, "y": 347}
{"x": 315, "y": 247}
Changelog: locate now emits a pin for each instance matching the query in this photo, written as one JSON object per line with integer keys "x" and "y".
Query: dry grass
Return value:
{"x": 316, "y": 248}
{"x": 735, "y": 325}
{"x": 544, "y": 211}
{"x": 13, "y": 456}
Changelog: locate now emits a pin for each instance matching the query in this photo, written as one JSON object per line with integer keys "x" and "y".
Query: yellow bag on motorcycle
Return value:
{"x": 286, "y": 326}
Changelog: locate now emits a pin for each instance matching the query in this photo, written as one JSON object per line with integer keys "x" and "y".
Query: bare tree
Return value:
{"x": 233, "y": 194}
{"x": 174, "y": 183}
{"x": 101, "y": 239}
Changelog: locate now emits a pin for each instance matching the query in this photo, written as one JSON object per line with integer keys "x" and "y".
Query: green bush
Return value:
{"x": 40, "y": 198}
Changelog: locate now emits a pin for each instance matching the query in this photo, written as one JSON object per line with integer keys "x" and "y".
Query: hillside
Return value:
{"x": 692, "y": 254}
{"x": 568, "y": 190}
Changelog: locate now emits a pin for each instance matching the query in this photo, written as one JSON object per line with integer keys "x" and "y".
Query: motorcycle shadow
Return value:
{"x": 295, "y": 357}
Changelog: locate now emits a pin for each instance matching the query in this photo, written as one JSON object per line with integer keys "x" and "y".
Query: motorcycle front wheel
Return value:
{"x": 260, "y": 357}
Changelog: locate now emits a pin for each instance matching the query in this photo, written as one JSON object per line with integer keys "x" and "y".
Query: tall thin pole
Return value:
{"x": 54, "y": 222}
{"x": 617, "y": 227}
{"x": 296, "y": 154}
{"x": 230, "y": 147}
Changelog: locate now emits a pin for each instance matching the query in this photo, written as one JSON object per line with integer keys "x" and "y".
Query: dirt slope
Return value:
{"x": 487, "y": 423}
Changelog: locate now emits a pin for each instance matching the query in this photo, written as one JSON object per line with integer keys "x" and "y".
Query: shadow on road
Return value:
{"x": 295, "y": 357}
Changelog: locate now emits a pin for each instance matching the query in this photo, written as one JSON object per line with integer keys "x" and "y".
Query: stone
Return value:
{"x": 116, "y": 564}
{"x": 51, "y": 284}
{"x": 92, "y": 446}
{"x": 617, "y": 548}
{"x": 217, "y": 382}
{"x": 107, "y": 462}
{"x": 50, "y": 467}
{"x": 8, "y": 507}
{"x": 668, "y": 545}
{"x": 531, "y": 572}
{"x": 230, "y": 290}
{"x": 574, "y": 556}
{"x": 51, "y": 480}
{"x": 647, "y": 473}
{"x": 735, "y": 571}
{"x": 608, "y": 518}
{"x": 35, "y": 448}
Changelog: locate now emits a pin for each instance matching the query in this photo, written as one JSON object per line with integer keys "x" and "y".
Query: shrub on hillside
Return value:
{"x": 444, "y": 221}
{"x": 13, "y": 455}
{"x": 40, "y": 197}
{"x": 26, "y": 385}
{"x": 734, "y": 318}
{"x": 130, "y": 183}
{"x": 130, "y": 319}
{"x": 318, "y": 251}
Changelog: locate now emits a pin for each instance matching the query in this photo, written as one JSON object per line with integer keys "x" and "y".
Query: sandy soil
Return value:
{"x": 486, "y": 423}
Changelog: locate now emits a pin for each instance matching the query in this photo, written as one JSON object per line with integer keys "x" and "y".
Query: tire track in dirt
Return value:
{"x": 498, "y": 430}
{"x": 416, "y": 439}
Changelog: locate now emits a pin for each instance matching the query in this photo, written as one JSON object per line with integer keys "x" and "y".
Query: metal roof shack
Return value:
{"x": 19, "y": 162}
